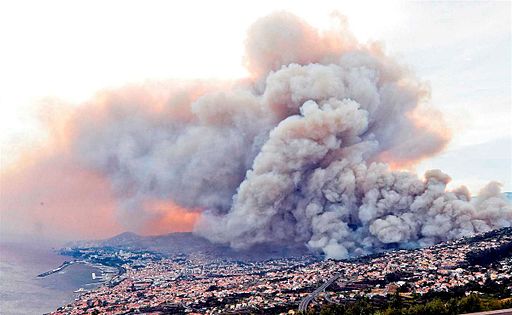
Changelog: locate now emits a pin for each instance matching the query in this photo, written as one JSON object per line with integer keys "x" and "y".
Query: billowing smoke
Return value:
{"x": 302, "y": 152}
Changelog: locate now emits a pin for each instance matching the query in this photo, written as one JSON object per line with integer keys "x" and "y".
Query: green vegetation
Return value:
{"x": 489, "y": 255}
{"x": 491, "y": 295}
{"x": 396, "y": 305}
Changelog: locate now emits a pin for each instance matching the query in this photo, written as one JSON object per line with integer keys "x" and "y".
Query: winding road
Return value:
{"x": 303, "y": 306}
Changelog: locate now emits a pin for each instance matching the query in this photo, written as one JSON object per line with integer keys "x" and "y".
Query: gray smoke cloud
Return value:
{"x": 299, "y": 153}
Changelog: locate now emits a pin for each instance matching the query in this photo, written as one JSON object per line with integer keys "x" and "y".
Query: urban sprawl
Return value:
{"x": 197, "y": 284}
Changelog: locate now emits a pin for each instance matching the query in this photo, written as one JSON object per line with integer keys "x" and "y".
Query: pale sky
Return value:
{"x": 68, "y": 50}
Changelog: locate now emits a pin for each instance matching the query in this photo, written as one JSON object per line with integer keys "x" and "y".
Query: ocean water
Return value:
{"x": 21, "y": 292}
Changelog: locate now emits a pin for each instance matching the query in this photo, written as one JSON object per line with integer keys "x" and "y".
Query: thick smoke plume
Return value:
{"x": 308, "y": 150}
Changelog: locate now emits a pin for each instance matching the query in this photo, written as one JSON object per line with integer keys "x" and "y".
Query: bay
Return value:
{"x": 21, "y": 292}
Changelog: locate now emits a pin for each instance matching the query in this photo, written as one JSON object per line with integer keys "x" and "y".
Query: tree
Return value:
{"x": 469, "y": 304}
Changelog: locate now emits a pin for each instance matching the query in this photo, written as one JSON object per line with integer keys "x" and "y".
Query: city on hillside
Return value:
{"x": 196, "y": 284}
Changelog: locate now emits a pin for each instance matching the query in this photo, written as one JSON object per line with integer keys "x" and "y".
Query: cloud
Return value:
{"x": 307, "y": 150}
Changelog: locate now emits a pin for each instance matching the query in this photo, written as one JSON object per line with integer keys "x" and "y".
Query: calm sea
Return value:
{"x": 22, "y": 293}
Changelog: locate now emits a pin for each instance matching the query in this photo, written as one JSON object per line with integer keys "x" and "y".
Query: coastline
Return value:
{"x": 23, "y": 292}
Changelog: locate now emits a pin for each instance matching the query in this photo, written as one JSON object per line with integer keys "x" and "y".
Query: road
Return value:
{"x": 303, "y": 306}
{"x": 497, "y": 312}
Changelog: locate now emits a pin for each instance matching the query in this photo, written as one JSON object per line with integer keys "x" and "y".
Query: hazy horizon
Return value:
{"x": 63, "y": 88}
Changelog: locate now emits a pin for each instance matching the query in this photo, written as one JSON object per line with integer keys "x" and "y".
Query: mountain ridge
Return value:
{"x": 187, "y": 243}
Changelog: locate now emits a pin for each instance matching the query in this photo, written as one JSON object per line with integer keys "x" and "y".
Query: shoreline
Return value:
{"x": 63, "y": 266}
{"x": 25, "y": 293}
{"x": 107, "y": 273}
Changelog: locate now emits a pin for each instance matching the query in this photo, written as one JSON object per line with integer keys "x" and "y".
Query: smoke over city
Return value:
{"x": 309, "y": 150}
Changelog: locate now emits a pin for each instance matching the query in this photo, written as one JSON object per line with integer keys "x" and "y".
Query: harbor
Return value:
{"x": 106, "y": 273}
